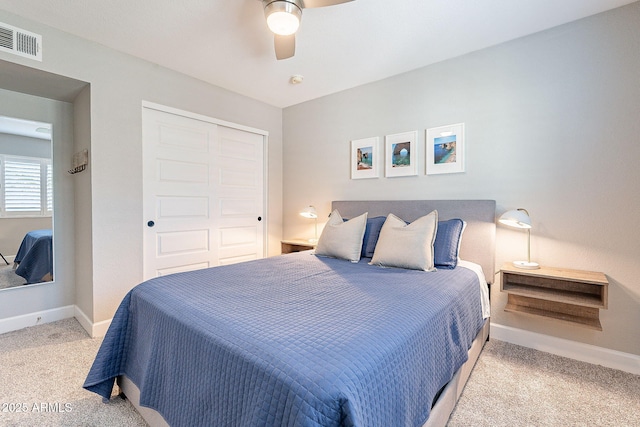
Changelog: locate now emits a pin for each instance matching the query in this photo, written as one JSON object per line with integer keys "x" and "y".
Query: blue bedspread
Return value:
{"x": 294, "y": 340}
{"x": 35, "y": 256}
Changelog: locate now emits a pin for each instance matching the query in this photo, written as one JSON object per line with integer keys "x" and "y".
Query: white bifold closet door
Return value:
{"x": 203, "y": 194}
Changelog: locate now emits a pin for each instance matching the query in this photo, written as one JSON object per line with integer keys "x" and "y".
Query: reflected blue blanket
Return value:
{"x": 35, "y": 256}
{"x": 294, "y": 340}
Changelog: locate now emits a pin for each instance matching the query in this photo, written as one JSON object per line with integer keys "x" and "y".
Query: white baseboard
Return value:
{"x": 95, "y": 330}
{"x": 83, "y": 319}
{"x": 100, "y": 328}
{"x": 572, "y": 349}
{"x": 32, "y": 319}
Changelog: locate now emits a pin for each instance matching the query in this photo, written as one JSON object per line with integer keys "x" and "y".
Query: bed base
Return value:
{"x": 447, "y": 400}
{"x": 130, "y": 391}
{"x": 440, "y": 412}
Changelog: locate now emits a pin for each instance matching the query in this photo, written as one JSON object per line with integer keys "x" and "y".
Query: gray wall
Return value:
{"x": 552, "y": 125}
{"x": 18, "y": 145}
{"x": 83, "y": 205}
{"x": 110, "y": 199}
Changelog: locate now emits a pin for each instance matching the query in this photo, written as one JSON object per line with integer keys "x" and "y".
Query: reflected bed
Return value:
{"x": 34, "y": 259}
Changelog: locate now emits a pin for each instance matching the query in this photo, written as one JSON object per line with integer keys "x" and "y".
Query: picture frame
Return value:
{"x": 445, "y": 147}
{"x": 364, "y": 158}
{"x": 401, "y": 157}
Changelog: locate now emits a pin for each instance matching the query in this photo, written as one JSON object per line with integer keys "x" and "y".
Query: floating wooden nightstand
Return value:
{"x": 572, "y": 296}
{"x": 289, "y": 246}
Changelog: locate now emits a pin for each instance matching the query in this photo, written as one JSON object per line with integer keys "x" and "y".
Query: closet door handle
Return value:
{"x": 259, "y": 218}
{"x": 150, "y": 224}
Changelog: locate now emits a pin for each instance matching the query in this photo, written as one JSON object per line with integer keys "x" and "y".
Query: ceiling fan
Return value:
{"x": 283, "y": 19}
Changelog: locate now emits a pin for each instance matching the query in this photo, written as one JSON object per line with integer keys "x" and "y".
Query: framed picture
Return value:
{"x": 364, "y": 158}
{"x": 445, "y": 149}
{"x": 401, "y": 154}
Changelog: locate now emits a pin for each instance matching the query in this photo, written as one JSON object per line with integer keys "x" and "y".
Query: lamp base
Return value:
{"x": 526, "y": 265}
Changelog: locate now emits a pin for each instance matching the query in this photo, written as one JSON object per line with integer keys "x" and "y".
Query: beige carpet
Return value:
{"x": 518, "y": 386}
{"x": 8, "y": 276}
{"x": 42, "y": 369}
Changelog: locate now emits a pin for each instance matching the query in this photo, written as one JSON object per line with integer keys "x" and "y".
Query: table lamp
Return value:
{"x": 519, "y": 218}
{"x": 310, "y": 212}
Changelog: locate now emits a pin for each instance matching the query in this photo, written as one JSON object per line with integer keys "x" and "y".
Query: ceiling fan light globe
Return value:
{"x": 283, "y": 23}
{"x": 283, "y": 17}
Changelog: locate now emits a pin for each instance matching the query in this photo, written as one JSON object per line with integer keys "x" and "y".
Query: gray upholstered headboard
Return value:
{"x": 478, "y": 240}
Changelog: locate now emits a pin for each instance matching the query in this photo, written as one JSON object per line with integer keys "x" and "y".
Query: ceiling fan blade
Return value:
{"x": 285, "y": 46}
{"x": 322, "y": 3}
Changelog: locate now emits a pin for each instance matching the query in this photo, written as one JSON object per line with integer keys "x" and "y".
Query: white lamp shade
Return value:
{"x": 283, "y": 17}
{"x": 517, "y": 218}
{"x": 309, "y": 212}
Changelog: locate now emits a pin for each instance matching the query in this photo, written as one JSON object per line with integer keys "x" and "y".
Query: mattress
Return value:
{"x": 294, "y": 340}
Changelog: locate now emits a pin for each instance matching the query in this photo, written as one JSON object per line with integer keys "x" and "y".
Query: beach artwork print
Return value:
{"x": 445, "y": 149}
{"x": 400, "y": 154}
{"x": 364, "y": 158}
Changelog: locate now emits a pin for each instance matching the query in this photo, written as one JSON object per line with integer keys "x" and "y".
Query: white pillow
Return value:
{"x": 407, "y": 246}
{"x": 341, "y": 239}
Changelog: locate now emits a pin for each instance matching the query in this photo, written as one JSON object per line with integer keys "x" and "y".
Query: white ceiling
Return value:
{"x": 227, "y": 43}
{"x": 29, "y": 128}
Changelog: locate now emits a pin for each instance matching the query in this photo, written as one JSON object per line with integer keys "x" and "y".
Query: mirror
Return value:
{"x": 26, "y": 203}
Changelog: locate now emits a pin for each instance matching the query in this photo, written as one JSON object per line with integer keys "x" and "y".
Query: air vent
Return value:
{"x": 20, "y": 42}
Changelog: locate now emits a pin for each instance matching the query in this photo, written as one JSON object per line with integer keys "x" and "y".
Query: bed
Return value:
{"x": 34, "y": 259}
{"x": 306, "y": 340}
